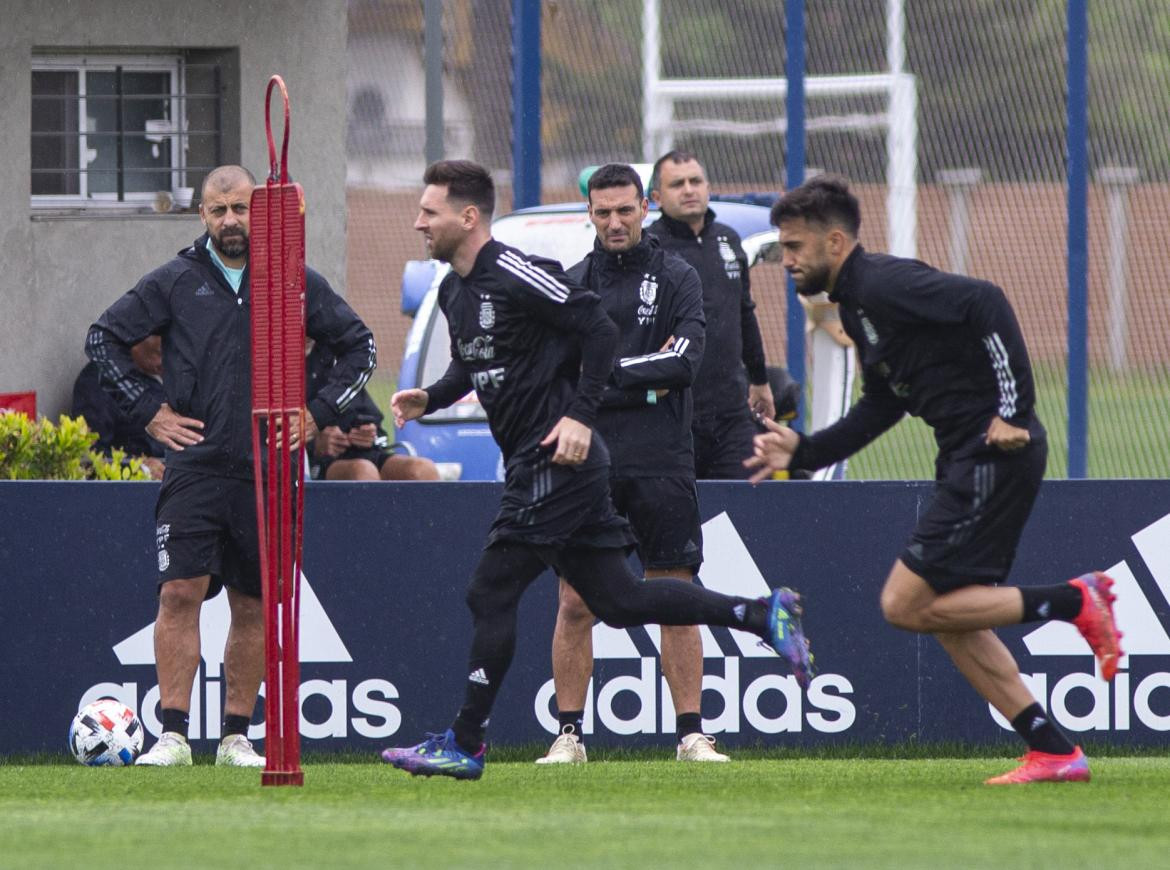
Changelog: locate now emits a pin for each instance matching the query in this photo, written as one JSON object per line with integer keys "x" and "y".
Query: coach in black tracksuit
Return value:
{"x": 948, "y": 349}
{"x": 539, "y": 351}
{"x": 206, "y": 513}
{"x": 733, "y": 378}
{"x": 657, "y": 303}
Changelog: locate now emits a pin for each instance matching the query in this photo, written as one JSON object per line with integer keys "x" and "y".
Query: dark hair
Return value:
{"x": 674, "y": 156}
{"x": 615, "y": 175}
{"x": 465, "y": 181}
{"x": 823, "y": 200}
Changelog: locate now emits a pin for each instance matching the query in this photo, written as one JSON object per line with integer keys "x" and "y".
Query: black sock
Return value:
{"x": 175, "y": 720}
{"x": 1041, "y": 733}
{"x": 574, "y": 719}
{"x": 755, "y": 617}
{"x": 1042, "y": 603}
{"x": 688, "y": 723}
{"x": 233, "y": 724}
{"x": 468, "y": 735}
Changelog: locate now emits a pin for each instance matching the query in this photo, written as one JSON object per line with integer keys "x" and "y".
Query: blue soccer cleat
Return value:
{"x": 786, "y": 636}
{"x": 438, "y": 755}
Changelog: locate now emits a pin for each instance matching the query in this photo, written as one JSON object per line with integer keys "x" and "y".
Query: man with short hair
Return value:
{"x": 539, "y": 350}
{"x": 948, "y": 349}
{"x": 206, "y": 529}
{"x": 657, "y": 303}
{"x": 732, "y": 381}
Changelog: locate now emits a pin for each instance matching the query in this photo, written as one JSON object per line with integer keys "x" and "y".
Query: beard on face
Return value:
{"x": 815, "y": 281}
{"x": 233, "y": 243}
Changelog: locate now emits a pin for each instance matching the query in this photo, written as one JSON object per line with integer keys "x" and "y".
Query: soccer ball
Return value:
{"x": 106, "y": 732}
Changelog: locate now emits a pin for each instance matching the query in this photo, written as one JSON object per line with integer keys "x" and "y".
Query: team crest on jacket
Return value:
{"x": 730, "y": 261}
{"x": 649, "y": 289}
{"x": 487, "y": 314}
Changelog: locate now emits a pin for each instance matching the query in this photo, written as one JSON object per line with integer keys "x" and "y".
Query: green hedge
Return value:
{"x": 43, "y": 450}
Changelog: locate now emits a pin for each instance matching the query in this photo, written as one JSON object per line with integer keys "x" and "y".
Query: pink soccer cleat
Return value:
{"x": 1095, "y": 621}
{"x": 1044, "y": 767}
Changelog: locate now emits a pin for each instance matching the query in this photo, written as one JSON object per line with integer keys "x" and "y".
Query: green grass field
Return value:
{"x": 778, "y": 812}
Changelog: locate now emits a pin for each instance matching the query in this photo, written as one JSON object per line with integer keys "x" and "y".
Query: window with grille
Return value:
{"x": 114, "y": 131}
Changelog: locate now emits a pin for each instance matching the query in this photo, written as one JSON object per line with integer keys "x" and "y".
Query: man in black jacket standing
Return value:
{"x": 732, "y": 381}
{"x": 206, "y": 513}
{"x": 539, "y": 351}
{"x": 657, "y": 303}
{"x": 948, "y": 349}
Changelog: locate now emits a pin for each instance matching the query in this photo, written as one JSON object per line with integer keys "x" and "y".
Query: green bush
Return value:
{"x": 43, "y": 450}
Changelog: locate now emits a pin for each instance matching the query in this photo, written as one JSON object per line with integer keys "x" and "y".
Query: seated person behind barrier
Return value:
{"x": 357, "y": 448}
{"x": 103, "y": 416}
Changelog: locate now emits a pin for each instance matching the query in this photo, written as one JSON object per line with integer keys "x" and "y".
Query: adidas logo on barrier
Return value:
{"x": 319, "y": 642}
{"x": 1082, "y": 701}
{"x": 728, "y": 567}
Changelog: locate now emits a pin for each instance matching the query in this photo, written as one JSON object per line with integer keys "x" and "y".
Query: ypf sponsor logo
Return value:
{"x": 1139, "y": 694}
{"x": 328, "y": 708}
{"x": 755, "y": 690}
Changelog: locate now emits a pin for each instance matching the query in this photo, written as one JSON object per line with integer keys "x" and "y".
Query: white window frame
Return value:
{"x": 83, "y": 64}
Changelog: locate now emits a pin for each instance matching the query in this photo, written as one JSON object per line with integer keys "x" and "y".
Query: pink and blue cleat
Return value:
{"x": 438, "y": 755}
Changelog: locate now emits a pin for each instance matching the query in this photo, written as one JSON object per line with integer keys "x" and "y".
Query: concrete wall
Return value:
{"x": 58, "y": 274}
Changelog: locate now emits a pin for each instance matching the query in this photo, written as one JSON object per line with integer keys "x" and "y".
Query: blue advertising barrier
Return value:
{"x": 385, "y": 631}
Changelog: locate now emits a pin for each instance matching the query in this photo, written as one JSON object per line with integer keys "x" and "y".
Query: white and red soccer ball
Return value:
{"x": 106, "y": 733}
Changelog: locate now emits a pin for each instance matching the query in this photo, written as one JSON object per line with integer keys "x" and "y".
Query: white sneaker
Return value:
{"x": 699, "y": 747}
{"x": 566, "y": 749}
{"x": 172, "y": 750}
{"x": 236, "y": 750}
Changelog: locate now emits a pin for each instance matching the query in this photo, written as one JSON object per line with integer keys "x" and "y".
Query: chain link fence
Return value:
{"x": 982, "y": 125}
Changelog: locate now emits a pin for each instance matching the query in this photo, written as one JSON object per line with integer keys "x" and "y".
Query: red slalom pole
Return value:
{"x": 277, "y": 269}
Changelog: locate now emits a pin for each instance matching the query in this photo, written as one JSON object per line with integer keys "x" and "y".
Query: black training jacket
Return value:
{"x": 363, "y": 409}
{"x": 943, "y": 347}
{"x": 207, "y": 358}
{"x": 733, "y": 333}
{"x": 651, "y": 296}
{"x": 530, "y": 341}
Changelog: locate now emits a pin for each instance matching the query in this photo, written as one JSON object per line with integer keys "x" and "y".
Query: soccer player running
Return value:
{"x": 206, "y": 533}
{"x": 946, "y": 348}
{"x": 539, "y": 350}
{"x": 657, "y": 303}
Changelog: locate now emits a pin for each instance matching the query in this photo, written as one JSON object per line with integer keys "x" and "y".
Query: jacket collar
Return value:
{"x": 845, "y": 277}
{"x": 198, "y": 252}
{"x": 638, "y": 257}
{"x": 681, "y": 229}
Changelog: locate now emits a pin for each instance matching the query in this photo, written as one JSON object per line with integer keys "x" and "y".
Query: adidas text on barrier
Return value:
{"x": 438, "y": 755}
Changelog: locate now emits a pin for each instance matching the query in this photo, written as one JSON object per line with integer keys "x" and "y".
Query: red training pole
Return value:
{"x": 277, "y": 286}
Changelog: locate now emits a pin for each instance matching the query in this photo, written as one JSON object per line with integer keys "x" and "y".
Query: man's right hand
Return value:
{"x": 773, "y": 450}
{"x": 408, "y": 405}
{"x": 174, "y": 431}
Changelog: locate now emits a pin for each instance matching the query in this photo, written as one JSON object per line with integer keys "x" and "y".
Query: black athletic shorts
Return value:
{"x": 207, "y": 525}
{"x": 722, "y": 443}
{"x": 375, "y": 454}
{"x": 557, "y": 506}
{"x": 972, "y": 526}
{"x": 664, "y": 512}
